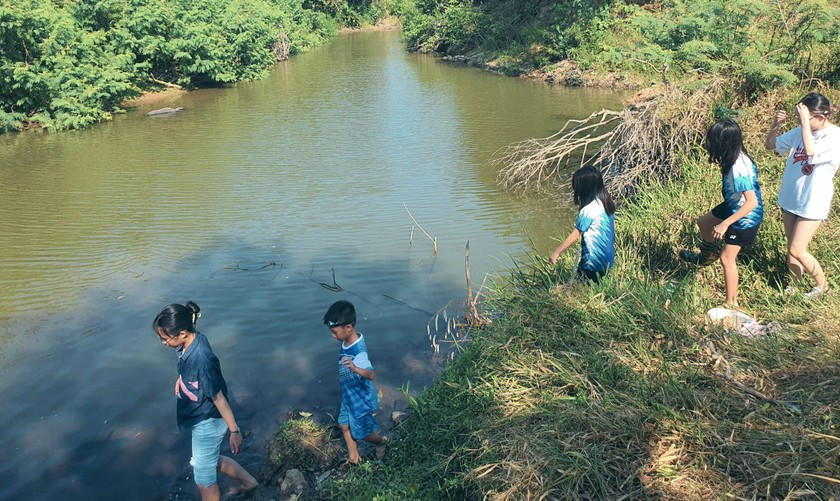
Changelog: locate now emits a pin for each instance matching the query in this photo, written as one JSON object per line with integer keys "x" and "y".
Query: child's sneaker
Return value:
{"x": 815, "y": 293}
{"x": 694, "y": 257}
{"x": 709, "y": 253}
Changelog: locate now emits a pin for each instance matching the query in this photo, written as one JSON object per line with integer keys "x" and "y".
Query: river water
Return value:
{"x": 264, "y": 203}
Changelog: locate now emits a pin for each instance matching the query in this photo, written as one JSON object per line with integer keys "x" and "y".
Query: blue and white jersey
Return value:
{"x": 598, "y": 242}
{"x": 357, "y": 393}
{"x": 743, "y": 176}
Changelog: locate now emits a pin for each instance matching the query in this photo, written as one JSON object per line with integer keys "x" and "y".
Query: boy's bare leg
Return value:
{"x": 352, "y": 449}
{"x": 379, "y": 441}
{"x": 376, "y": 439}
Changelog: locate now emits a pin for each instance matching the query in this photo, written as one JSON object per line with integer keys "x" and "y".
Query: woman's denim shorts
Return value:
{"x": 206, "y": 443}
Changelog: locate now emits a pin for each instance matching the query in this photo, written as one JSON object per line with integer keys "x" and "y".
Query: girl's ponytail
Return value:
{"x": 195, "y": 312}
{"x": 174, "y": 318}
{"x": 606, "y": 199}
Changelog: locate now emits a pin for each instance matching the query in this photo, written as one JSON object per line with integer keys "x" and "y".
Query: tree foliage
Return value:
{"x": 70, "y": 63}
{"x": 761, "y": 44}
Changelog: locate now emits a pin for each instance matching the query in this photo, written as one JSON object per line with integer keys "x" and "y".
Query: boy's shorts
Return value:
{"x": 360, "y": 426}
{"x": 734, "y": 236}
{"x": 206, "y": 445}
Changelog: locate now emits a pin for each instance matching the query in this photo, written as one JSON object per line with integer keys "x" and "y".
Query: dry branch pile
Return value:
{"x": 642, "y": 142}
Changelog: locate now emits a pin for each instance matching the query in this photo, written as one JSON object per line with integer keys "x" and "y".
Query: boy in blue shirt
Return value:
{"x": 359, "y": 399}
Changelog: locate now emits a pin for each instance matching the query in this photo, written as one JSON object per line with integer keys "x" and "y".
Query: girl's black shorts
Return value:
{"x": 734, "y": 236}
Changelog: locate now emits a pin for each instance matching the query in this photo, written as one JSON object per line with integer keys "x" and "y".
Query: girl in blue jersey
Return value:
{"x": 595, "y": 221}
{"x": 735, "y": 221}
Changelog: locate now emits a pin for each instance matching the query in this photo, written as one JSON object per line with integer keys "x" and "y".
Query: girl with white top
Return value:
{"x": 813, "y": 156}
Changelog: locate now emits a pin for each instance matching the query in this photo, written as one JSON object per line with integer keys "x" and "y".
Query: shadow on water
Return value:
{"x": 93, "y": 387}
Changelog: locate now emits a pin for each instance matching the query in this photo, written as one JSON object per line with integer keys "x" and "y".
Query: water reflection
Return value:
{"x": 310, "y": 170}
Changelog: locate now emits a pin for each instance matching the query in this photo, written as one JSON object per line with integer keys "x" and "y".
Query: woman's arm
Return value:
{"x": 750, "y": 203}
{"x": 572, "y": 238}
{"x": 778, "y": 120}
{"x": 227, "y": 414}
{"x": 807, "y": 136}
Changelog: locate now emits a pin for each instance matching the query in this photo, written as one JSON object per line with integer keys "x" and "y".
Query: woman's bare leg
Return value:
{"x": 799, "y": 233}
{"x": 728, "y": 258}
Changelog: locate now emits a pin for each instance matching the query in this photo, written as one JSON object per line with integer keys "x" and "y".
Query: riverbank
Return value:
{"x": 629, "y": 44}
{"x": 153, "y": 97}
{"x": 565, "y": 73}
{"x": 387, "y": 23}
{"x": 626, "y": 389}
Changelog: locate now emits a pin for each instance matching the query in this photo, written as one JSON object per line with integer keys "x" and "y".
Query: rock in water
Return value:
{"x": 164, "y": 111}
{"x": 397, "y": 417}
{"x": 294, "y": 483}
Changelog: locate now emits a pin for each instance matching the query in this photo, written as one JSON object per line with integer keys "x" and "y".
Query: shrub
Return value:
{"x": 69, "y": 63}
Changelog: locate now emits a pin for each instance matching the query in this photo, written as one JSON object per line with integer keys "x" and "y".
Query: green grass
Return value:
{"x": 616, "y": 391}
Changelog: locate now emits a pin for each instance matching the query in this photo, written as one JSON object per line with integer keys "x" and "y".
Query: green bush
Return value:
{"x": 762, "y": 44}
{"x": 66, "y": 64}
{"x": 50, "y": 68}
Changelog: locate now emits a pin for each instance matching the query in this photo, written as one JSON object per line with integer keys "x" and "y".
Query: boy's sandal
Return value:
{"x": 380, "y": 449}
{"x": 347, "y": 464}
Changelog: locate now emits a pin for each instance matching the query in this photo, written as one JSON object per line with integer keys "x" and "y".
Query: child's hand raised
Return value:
{"x": 779, "y": 118}
{"x": 803, "y": 113}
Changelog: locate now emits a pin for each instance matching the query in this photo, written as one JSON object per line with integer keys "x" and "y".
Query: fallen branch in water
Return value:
{"x": 334, "y": 287}
{"x": 434, "y": 240}
{"x": 644, "y": 141}
{"x": 236, "y": 265}
{"x": 531, "y": 162}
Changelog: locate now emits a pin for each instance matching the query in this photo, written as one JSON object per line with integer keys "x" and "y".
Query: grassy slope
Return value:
{"x": 616, "y": 389}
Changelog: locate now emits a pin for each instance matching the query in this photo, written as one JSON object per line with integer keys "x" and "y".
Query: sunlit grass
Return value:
{"x": 623, "y": 390}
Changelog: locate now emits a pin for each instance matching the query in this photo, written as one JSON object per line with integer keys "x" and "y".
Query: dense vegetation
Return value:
{"x": 760, "y": 43}
{"x": 70, "y": 63}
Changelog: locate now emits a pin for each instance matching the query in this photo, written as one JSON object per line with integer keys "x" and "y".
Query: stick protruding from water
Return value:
{"x": 434, "y": 240}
